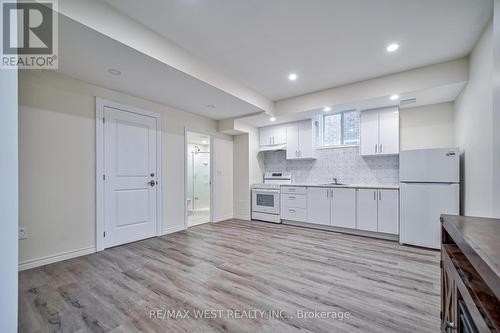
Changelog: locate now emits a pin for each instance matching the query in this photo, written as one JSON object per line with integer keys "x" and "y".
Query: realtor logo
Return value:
{"x": 29, "y": 34}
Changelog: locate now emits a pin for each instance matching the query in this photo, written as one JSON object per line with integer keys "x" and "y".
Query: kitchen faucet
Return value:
{"x": 335, "y": 180}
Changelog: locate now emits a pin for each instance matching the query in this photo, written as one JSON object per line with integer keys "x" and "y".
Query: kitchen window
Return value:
{"x": 339, "y": 129}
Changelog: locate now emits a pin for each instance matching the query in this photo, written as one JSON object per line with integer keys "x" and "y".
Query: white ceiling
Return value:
{"x": 433, "y": 95}
{"x": 326, "y": 42}
{"x": 87, "y": 55}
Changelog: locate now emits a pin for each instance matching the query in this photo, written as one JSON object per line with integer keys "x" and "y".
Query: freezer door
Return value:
{"x": 429, "y": 165}
{"x": 421, "y": 206}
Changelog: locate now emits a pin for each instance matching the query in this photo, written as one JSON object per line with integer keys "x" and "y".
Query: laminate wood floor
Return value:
{"x": 236, "y": 266}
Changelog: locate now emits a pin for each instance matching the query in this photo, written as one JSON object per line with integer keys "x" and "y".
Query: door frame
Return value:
{"x": 101, "y": 103}
{"x": 211, "y": 138}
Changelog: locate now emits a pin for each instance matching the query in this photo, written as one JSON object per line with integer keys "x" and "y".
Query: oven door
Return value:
{"x": 266, "y": 201}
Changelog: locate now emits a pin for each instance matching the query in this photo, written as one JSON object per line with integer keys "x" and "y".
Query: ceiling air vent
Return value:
{"x": 407, "y": 101}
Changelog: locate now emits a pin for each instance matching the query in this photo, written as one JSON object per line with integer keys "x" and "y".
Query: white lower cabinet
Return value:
{"x": 294, "y": 214}
{"x": 378, "y": 210}
{"x": 367, "y": 209}
{"x": 374, "y": 210}
{"x": 388, "y": 211}
{"x": 318, "y": 205}
{"x": 343, "y": 211}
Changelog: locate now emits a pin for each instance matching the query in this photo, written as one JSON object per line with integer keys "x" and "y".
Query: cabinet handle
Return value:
{"x": 375, "y": 148}
{"x": 291, "y": 189}
{"x": 291, "y": 210}
{"x": 331, "y": 193}
{"x": 291, "y": 197}
{"x": 374, "y": 195}
{"x": 380, "y": 148}
{"x": 380, "y": 195}
{"x": 327, "y": 192}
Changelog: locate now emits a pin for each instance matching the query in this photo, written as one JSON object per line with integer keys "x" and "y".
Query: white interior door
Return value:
{"x": 130, "y": 187}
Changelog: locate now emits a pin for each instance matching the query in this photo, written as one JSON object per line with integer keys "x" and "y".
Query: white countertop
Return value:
{"x": 389, "y": 187}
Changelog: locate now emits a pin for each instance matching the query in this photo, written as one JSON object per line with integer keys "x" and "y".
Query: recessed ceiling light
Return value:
{"x": 204, "y": 142}
{"x": 210, "y": 106}
{"x": 272, "y": 119}
{"x": 114, "y": 71}
{"x": 394, "y": 97}
{"x": 392, "y": 47}
{"x": 292, "y": 77}
{"x": 327, "y": 108}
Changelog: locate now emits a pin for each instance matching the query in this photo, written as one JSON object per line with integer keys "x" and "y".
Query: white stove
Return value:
{"x": 266, "y": 196}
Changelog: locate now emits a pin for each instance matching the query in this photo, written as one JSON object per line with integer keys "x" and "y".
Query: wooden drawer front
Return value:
{"x": 294, "y": 200}
{"x": 294, "y": 214}
{"x": 294, "y": 189}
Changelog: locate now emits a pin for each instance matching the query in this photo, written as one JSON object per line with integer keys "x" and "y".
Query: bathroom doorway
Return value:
{"x": 198, "y": 171}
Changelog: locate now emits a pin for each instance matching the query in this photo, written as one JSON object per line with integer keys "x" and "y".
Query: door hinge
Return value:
{"x": 104, "y": 234}
{"x": 440, "y": 264}
{"x": 103, "y": 177}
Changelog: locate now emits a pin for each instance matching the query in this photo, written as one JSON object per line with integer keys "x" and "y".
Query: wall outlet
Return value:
{"x": 23, "y": 234}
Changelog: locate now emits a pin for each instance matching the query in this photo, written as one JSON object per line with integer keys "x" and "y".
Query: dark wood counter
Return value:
{"x": 470, "y": 274}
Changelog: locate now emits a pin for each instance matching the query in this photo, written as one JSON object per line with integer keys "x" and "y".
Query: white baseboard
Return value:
{"x": 171, "y": 230}
{"x": 245, "y": 217}
{"x": 223, "y": 218}
{"x": 32, "y": 263}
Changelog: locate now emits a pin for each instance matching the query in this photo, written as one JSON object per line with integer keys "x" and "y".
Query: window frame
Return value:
{"x": 321, "y": 134}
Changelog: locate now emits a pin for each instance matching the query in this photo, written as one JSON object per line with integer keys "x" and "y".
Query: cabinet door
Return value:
{"x": 388, "y": 211}
{"x": 367, "y": 210}
{"x": 265, "y": 136}
{"x": 279, "y": 135}
{"x": 292, "y": 142}
{"x": 306, "y": 149}
{"x": 389, "y": 131}
{"x": 318, "y": 205}
{"x": 343, "y": 212}
{"x": 369, "y": 132}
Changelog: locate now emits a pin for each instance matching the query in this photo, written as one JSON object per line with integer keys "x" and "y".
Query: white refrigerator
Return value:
{"x": 429, "y": 187}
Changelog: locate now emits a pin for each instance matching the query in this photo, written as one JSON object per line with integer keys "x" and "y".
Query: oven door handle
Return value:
{"x": 266, "y": 191}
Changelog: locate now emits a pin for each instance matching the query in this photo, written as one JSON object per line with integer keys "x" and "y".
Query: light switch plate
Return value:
{"x": 22, "y": 233}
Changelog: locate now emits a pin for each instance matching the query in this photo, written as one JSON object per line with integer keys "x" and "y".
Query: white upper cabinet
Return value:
{"x": 389, "y": 131}
{"x": 272, "y": 135}
{"x": 299, "y": 140}
{"x": 380, "y": 131}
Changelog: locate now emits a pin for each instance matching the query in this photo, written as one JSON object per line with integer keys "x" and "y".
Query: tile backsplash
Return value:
{"x": 344, "y": 163}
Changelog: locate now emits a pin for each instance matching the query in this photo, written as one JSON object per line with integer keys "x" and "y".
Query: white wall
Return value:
{"x": 438, "y": 75}
{"x": 8, "y": 200}
{"x": 496, "y": 109}
{"x": 474, "y": 130}
{"x": 241, "y": 177}
{"x": 248, "y": 168}
{"x": 57, "y": 162}
{"x": 430, "y": 126}
{"x": 223, "y": 180}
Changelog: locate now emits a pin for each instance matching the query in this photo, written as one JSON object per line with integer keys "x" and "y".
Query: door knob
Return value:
{"x": 151, "y": 183}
